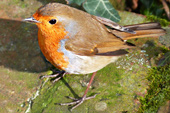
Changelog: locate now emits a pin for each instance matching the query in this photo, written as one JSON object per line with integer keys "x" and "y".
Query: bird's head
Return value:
{"x": 53, "y": 17}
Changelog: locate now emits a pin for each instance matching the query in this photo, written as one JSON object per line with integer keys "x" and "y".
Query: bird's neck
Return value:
{"x": 49, "y": 42}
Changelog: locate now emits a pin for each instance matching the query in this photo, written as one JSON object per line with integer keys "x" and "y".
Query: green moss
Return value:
{"x": 19, "y": 3}
{"x": 159, "y": 89}
{"x": 118, "y": 5}
{"x": 156, "y": 52}
{"x": 153, "y": 18}
{"x": 164, "y": 49}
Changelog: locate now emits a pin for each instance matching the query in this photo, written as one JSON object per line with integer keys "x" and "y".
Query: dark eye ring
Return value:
{"x": 52, "y": 21}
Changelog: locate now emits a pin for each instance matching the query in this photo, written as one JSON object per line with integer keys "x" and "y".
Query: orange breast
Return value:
{"x": 49, "y": 45}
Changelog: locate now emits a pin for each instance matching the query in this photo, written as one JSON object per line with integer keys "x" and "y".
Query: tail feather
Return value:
{"x": 142, "y": 30}
{"x": 144, "y": 26}
{"x": 145, "y": 33}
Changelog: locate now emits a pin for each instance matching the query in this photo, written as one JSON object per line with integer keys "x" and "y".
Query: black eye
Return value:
{"x": 52, "y": 21}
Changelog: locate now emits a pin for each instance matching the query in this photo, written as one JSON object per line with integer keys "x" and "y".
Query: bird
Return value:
{"x": 76, "y": 42}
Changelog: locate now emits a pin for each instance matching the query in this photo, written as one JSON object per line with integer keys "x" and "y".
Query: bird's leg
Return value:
{"x": 62, "y": 73}
{"x": 80, "y": 101}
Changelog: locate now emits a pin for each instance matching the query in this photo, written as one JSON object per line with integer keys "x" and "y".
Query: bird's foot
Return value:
{"x": 61, "y": 73}
{"x": 77, "y": 102}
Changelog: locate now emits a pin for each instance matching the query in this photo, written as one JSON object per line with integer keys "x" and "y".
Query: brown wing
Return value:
{"x": 84, "y": 47}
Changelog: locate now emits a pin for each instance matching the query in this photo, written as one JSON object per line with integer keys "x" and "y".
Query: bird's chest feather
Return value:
{"x": 49, "y": 45}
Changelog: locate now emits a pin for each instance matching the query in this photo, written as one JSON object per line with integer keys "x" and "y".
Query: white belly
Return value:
{"x": 88, "y": 64}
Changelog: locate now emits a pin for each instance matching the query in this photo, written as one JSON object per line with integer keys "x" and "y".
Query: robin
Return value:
{"x": 79, "y": 43}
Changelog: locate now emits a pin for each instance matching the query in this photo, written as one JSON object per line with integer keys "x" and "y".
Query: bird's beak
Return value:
{"x": 32, "y": 20}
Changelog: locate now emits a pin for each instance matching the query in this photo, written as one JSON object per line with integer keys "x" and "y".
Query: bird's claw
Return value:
{"x": 76, "y": 101}
{"x": 62, "y": 73}
{"x": 49, "y": 76}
